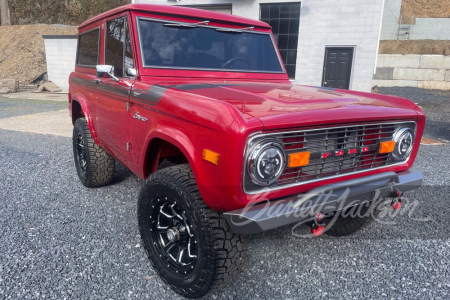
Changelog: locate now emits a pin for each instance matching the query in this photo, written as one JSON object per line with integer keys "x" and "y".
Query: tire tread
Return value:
{"x": 230, "y": 249}
{"x": 100, "y": 164}
{"x": 349, "y": 225}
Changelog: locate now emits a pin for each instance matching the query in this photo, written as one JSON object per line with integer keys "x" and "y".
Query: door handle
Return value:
{"x": 98, "y": 81}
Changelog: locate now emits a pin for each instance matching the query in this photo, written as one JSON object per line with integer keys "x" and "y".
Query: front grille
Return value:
{"x": 336, "y": 151}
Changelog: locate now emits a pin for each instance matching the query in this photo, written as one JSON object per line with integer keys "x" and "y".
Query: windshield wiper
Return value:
{"x": 188, "y": 25}
{"x": 240, "y": 30}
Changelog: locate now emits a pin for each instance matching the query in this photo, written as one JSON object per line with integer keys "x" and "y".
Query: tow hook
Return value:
{"x": 397, "y": 201}
{"x": 316, "y": 229}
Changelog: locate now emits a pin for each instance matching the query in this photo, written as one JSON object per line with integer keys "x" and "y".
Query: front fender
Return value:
{"x": 173, "y": 136}
{"x": 191, "y": 143}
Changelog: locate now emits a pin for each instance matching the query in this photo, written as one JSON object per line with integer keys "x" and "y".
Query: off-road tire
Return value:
{"x": 350, "y": 224}
{"x": 221, "y": 253}
{"x": 99, "y": 164}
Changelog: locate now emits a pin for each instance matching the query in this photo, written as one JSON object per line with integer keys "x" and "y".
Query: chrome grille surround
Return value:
{"x": 329, "y": 140}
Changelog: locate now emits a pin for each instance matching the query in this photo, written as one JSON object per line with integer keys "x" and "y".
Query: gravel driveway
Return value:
{"x": 60, "y": 240}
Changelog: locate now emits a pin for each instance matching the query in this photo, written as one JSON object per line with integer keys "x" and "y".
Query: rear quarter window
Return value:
{"x": 88, "y": 48}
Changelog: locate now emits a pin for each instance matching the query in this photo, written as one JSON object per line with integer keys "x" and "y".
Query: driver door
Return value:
{"x": 113, "y": 117}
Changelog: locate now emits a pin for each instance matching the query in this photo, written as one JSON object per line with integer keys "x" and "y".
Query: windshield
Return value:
{"x": 171, "y": 45}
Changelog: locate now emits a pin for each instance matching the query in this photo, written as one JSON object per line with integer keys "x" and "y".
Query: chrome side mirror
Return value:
{"x": 131, "y": 72}
{"x": 106, "y": 69}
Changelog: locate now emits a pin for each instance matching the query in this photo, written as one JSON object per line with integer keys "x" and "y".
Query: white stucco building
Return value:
{"x": 60, "y": 54}
{"x": 323, "y": 42}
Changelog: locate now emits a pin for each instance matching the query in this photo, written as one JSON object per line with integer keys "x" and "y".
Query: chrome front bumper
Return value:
{"x": 324, "y": 199}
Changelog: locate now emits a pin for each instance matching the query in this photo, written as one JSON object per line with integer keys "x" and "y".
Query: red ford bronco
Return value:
{"x": 198, "y": 104}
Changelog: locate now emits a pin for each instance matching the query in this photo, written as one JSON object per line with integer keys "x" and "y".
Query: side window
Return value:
{"x": 88, "y": 48}
{"x": 118, "y": 46}
{"x": 128, "y": 53}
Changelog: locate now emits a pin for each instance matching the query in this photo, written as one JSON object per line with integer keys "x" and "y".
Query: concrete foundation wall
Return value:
{"x": 430, "y": 29}
{"x": 423, "y": 29}
{"x": 389, "y": 24}
{"x": 353, "y": 23}
{"x": 423, "y": 71}
{"x": 60, "y": 53}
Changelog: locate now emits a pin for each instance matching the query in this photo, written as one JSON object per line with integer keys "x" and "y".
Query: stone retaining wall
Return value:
{"x": 423, "y": 71}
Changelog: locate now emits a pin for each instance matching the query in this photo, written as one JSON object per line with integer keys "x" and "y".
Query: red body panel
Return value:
{"x": 178, "y": 11}
{"x": 197, "y": 110}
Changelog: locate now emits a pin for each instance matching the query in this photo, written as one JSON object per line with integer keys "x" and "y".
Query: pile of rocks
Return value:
{"x": 8, "y": 86}
{"x": 48, "y": 86}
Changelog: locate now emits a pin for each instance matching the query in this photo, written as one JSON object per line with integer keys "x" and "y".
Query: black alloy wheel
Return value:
{"x": 81, "y": 153}
{"x": 174, "y": 236}
{"x": 189, "y": 245}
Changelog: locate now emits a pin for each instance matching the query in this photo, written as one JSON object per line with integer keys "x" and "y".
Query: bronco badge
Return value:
{"x": 137, "y": 116}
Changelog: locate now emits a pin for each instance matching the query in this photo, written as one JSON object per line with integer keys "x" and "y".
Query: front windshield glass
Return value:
{"x": 180, "y": 47}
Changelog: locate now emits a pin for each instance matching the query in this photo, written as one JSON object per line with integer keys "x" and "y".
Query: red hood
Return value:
{"x": 283, "y": 106}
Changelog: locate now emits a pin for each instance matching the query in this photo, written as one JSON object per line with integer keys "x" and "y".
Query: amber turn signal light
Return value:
{"x": 211, "y": 156}
{"x": 298, "y": 159}
{"x": 387, "y": 147}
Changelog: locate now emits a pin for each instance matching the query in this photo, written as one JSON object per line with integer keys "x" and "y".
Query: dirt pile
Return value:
{"x": 70, "y": 12}
{"x": 425, "y": 9}
{"x": 415, "y": 47}
{"x": 22, "y": 51}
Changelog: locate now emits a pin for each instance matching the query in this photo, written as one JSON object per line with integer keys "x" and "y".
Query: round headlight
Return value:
{"x": 266, "y": 162}
{"x": 404, "y": 139}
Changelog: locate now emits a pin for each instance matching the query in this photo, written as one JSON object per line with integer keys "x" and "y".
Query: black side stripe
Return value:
{"x": 189, "y": 87}
{"x": 151, "y": 96}
{"x": 156, "y": 92}
{"x": 110, "y": 89}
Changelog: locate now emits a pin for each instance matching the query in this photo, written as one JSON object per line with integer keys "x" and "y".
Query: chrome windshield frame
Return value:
{"x": 280, "y": 61}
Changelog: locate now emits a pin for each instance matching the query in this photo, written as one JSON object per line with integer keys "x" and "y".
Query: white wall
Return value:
{"x": 335, "y": 23}
{"x": 60, "y": 54}
{"x": 323, "y": 23}
{"x": 389, "y": 29}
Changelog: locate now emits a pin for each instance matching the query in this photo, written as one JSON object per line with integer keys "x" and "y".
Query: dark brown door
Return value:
{"x": 337, "y": 67}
